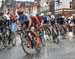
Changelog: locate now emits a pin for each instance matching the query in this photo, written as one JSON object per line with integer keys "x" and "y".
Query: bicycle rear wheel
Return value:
{"x": 63, "y": 33}
{"x": 55, "y": 36}
{"x": 40, "y": 32}
{"x": 48, "y": 32}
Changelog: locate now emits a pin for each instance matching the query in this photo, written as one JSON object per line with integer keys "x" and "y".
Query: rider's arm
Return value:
{"x": 18, "y": 22}
{"x": 29, "y": 19}
{"x": 18, "y": 19}
{"x": 42, "y": 22}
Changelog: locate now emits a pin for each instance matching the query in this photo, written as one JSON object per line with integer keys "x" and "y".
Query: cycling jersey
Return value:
{"x": 52, "y": 21}
{"x": 73, "y": 21}
{"x": 3, "y": 24}
{"x": 13, "y": 26}
{"x": 7, "y": 16}
{"x": 23, "y": 19}
{"x": 45, "y": 19}
{"x": 60, "y": 20}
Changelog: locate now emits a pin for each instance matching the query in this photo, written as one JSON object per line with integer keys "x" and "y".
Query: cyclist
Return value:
{"x": 73, "y": 28}
{"x": 60, "y": 22}
{"x": 36, "y": 21}
{"x": 52, "y": 20}
{"x": 65, "y": 24}
{"x": 44, "y": 19}
{"x": 35, "y": 25}
{"x": 73, "y": 19}
{"x": 23, "y": 18}
{"x": 3, "y": 22}
{"x": 7, "y": 16}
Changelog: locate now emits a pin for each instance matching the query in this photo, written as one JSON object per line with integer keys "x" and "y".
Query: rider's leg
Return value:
{"x": 36, "y": 35}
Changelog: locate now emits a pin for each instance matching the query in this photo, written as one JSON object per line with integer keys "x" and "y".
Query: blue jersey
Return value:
{"x": 3, "y": 24}
{"x": 24, "y": 17}
{"x": 45, "y": 19}
{"x": 13, "y": 26}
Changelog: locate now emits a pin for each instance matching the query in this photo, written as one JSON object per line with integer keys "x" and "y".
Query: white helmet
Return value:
{"x": 63, "y": 16}
{"x": 42, "y": 14}
{"x": 71, "y": 17}
{"x": 52, "y": 16}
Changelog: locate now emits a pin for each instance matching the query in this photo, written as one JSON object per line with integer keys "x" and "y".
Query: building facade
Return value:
{"x": 46, "y": 6}
{"x": 63, "y": 7}
{"x": 73, "y": 5}
{"x": 62, "y": 4}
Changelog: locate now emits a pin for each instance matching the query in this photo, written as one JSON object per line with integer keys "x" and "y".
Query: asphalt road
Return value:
{"x": 64, "y": 50}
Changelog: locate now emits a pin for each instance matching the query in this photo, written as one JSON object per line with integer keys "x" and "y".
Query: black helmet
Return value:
{"x": 20, "y": 12}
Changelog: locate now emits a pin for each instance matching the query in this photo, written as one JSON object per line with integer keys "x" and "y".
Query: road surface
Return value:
{"x": 64, "y": 50}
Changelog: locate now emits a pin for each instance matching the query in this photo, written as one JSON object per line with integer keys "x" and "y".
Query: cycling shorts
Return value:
{"x": 25, "y": 23}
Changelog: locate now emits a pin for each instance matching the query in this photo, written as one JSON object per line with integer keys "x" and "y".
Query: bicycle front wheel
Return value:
{"x": 29, "y": 44}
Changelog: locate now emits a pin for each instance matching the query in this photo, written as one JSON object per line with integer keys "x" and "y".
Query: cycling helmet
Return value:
{"x": 63, "y": 16}
{"x": 52, "y": 17}
{"x": 42, "y": 14}
{"x": 20, "y": 12}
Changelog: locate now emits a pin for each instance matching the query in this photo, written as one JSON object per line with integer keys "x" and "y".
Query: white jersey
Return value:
{"x": 7, "y": 16}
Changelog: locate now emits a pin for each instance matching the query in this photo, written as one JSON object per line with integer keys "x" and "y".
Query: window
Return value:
{"x": 70, "y": 4}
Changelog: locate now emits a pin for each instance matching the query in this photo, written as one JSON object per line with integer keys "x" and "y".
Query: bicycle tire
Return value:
{"x": 41, "y": 35}
{"x": 55, "y": 36}
{"x": 29, "y": 39}
{"x": 48, "y": 32}
{"x": 5, "y": 41}
{"x": 12, "y": 39}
